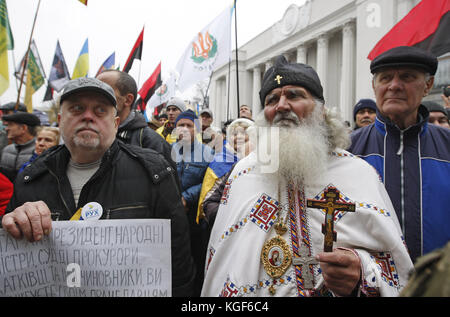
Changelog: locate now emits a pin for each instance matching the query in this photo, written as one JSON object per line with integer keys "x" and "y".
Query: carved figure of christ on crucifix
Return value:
{"x": 330, "y": 204}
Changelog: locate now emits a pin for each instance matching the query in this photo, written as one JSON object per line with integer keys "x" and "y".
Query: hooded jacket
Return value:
{"x": 131, "y": 183}
{"x": 134, "y": 130}
{"x": 414, "y": 165}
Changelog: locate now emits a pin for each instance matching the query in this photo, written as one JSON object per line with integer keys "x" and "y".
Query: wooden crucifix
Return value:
{"x": 330, "y": 204}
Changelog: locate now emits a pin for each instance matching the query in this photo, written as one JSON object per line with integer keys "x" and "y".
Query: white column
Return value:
{"x": 403, "y": 8}
{"x": 256, "y": 103}
{"x": 301, "y": 54}
{"x": 348, "y": 77}
{"x": 322, "y": 60}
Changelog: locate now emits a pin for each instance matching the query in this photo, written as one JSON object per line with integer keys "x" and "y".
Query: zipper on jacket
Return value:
{"x": 108, "y": 211}
{"x": 59, "y": 191}
{"x": 402, "y": 183}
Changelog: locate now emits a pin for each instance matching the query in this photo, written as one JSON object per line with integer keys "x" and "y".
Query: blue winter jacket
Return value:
{"x": 414, "y": 165}
{"x": 192, "y": 162}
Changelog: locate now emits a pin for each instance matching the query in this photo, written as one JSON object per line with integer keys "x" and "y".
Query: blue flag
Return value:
{"x": 109, "y": 63}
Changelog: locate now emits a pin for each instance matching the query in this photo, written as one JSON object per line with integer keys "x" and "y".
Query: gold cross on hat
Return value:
{"x": 278, "y": 79}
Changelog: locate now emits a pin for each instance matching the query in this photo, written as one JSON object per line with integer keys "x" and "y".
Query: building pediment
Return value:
{"x": 294, "y": 19}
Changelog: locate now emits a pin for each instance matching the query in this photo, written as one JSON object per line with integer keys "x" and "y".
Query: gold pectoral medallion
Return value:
{"x": 276, "y": 256}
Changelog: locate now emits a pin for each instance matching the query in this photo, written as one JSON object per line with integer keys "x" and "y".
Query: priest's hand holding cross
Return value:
{"x": 341, "y": 271}
{"x": 341, "y": 268}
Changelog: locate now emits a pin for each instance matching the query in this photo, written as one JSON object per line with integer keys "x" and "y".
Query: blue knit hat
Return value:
{"x": 188, "y": 114}
{"x": 364, "y": 103}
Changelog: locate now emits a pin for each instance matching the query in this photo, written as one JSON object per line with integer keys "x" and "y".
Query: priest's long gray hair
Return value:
{"x": 338, "y": 132}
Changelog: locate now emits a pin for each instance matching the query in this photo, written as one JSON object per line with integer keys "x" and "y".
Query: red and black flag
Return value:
{"x": 136, "y": 52}
{"x": 426, "y": 26}
{"x": 149, "y": 88}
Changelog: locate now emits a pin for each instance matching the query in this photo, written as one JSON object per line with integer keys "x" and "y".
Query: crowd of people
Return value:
{"x": 289, "y": 202}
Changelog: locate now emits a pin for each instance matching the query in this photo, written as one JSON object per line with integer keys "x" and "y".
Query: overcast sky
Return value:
{"x": 114, "y": 25}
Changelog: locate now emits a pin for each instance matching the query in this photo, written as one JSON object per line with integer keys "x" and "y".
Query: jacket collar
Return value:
{"x": 56, "y": 160}
{"x": 134, "y": 121}
{"x": 382, "y": 124}
{"x": 30, "y": 143}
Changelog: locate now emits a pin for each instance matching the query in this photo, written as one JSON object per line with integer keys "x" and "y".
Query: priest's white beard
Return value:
{"x": 303, "y": 146}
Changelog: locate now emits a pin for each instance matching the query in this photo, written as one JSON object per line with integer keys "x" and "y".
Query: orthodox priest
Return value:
{"x": 320, "y": 223}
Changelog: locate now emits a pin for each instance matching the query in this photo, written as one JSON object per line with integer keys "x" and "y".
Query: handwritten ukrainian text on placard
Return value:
{"x": 107, "y": 258}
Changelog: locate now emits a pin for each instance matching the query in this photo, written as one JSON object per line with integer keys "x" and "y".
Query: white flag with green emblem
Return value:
{"x": 163, "y": 94}
{"x": 209, "y": 50}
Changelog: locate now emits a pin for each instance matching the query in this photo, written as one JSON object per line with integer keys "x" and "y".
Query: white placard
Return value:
{"x": 105, "y": 258}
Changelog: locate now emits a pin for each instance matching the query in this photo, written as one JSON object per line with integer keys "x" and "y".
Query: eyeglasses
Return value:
{"x": 290, "y": 93}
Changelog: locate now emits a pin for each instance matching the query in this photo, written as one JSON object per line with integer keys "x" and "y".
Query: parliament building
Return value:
{"x": 335, "y": 37}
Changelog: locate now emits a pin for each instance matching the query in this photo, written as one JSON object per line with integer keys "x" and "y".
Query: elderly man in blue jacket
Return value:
{"x": 411, "y": 156}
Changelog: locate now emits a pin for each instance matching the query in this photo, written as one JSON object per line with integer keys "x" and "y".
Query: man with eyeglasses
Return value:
{"x": 321, "y": 209}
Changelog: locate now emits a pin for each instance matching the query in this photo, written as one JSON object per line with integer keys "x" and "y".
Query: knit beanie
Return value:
{"x": 188, "y": 114}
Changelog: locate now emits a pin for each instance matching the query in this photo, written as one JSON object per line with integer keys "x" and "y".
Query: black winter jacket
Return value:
{"x": 132, "y": 182}
{"x": 135, "y": 131}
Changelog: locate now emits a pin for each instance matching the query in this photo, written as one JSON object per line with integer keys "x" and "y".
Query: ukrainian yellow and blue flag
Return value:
{"x": 219, "y": 166}
{"x": 82, "y": 66}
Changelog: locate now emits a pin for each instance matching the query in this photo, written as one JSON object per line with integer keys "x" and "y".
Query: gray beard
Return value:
{"x": 303, "y": 146}
{"x": 87, "y": 142}
{"x": 90, "y": 143}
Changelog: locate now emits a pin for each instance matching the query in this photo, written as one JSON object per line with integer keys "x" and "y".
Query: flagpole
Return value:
{"x": 26, "y": 57}
{"x": 237, "y": 58}
{"x": 207, "y": 89}
{"x": 14, "y": 63}
{"x": 140, "y": 64}
{"x": 228, "y": 86}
